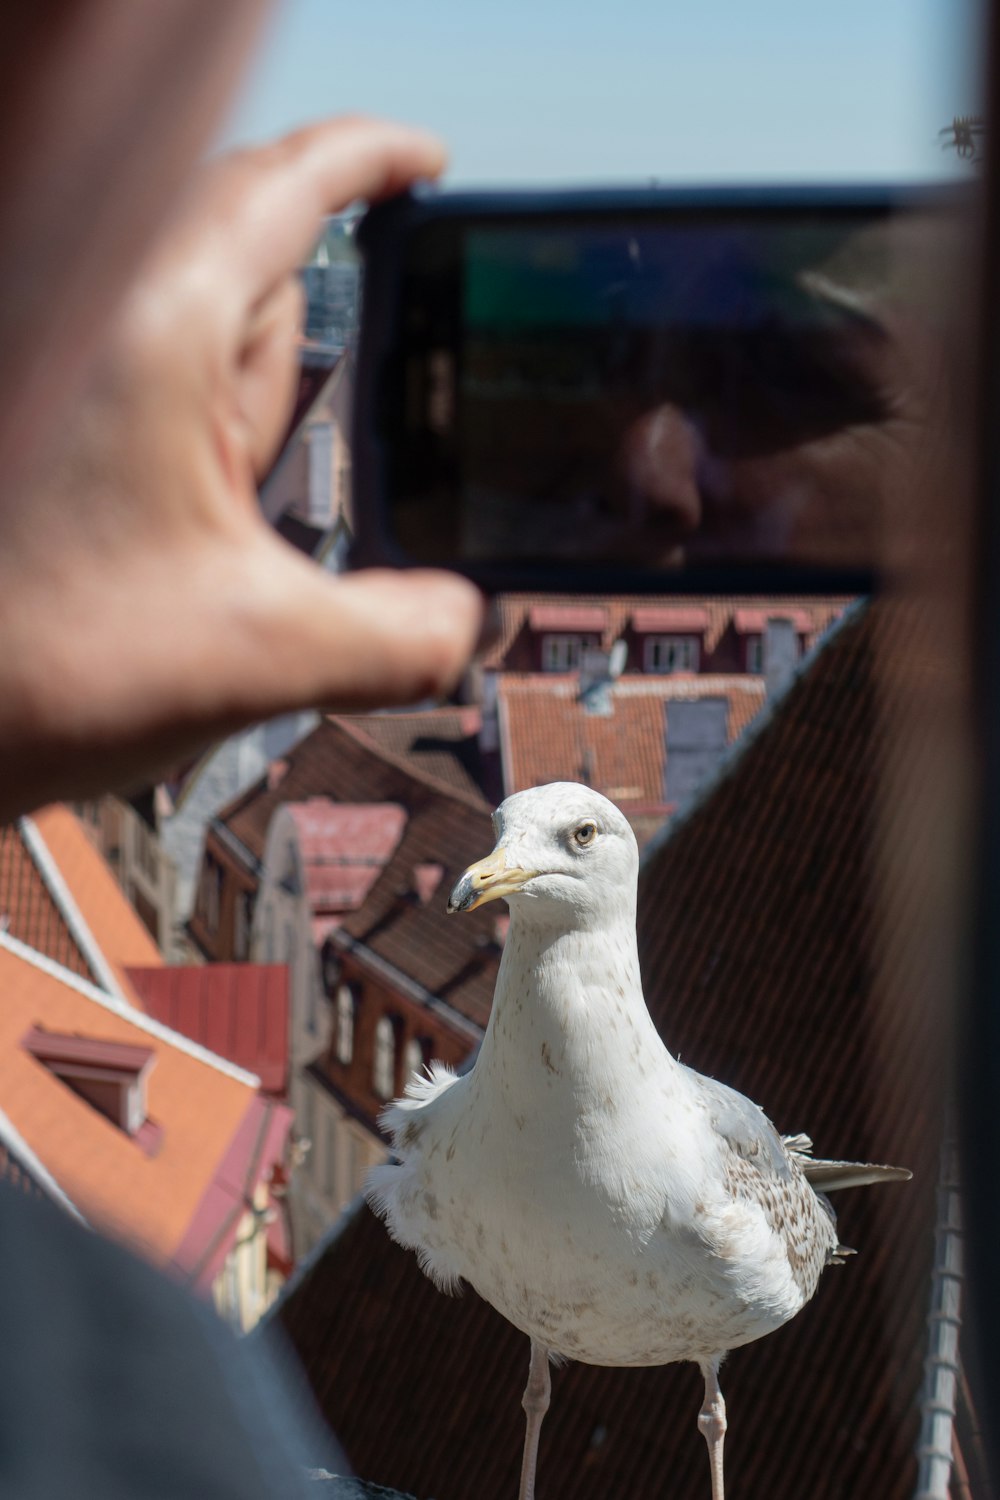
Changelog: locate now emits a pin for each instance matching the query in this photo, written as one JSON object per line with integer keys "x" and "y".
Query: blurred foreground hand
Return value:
{"x": 146, "y": 608}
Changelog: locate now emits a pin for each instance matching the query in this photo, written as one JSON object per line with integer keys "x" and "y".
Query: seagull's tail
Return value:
{"x": 831, "y": 1176}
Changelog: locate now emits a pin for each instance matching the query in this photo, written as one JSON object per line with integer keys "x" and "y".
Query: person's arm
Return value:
{"x": 145, "y": 605}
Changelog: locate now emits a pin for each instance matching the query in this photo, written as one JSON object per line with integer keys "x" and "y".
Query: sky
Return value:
{"x": 536, "y": 91}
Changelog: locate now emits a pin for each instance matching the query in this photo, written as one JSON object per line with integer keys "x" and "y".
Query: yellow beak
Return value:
{"x": 485, "y": 881}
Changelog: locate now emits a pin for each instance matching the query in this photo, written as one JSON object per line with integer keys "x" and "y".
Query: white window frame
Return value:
{"x": 345, "y": 1025}
{"x": 686, "y": 650}
{"x": 562, "y": 651}
{"x": 384, "y": 1059}
{"x": 413, "y": 1057}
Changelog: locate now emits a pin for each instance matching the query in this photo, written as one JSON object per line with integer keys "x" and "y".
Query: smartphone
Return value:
{"x": 643, "y": 391}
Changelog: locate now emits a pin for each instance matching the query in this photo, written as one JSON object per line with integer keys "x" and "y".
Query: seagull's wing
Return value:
{"x": 829, "y": 1176}
{"x": 744, "y": 1126}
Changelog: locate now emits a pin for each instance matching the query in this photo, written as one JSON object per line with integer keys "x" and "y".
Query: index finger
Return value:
{"x": 271, "y": 200}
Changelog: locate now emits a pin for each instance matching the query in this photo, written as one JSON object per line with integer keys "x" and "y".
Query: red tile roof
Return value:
{"x": 114, "y": 925}
{"x": 331, "y": 889}
{"x": 759, "y": 965}
{"x": 238, "y": 1011}
{"x": 59, "y": 896}
{"x": 668, "y": 618}
{"x": 338, "y": 833}
{"x": 589, "y": 617}
{"x": 547, "y": 733}
{"x": 28, "y": 910}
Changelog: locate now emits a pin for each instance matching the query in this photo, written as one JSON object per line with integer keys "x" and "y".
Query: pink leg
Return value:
{"x": 712, "y": 1425}
{"x": 536, "y": 1403}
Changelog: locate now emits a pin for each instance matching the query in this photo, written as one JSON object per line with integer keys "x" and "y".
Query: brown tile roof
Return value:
{"x": 341, "y": 759}
{"x": 170, "y": 1204}
{"x": 47, "y": 860}
{"x": 439, "y": 742}
{"x": 756, "y": 938}
{"x": 237, "y": 1011}
{"x": 455, "y": 961}
{"x": 609, "y": 615}
{"x": 547, "y": 733}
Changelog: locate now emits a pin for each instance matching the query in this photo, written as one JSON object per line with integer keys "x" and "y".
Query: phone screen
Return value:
{"x": 704, "y": 389}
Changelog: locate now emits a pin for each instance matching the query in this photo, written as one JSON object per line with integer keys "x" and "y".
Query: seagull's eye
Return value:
{"x": 584, "y": 834}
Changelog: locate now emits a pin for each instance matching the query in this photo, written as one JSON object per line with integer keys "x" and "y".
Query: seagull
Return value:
{"x": 616, "y": 1206}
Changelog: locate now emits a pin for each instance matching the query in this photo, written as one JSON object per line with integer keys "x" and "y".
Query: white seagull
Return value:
{"x": 616, "y": 1206}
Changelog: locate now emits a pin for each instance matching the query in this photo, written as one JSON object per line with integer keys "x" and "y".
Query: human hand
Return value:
{"x": 146, "y": 608}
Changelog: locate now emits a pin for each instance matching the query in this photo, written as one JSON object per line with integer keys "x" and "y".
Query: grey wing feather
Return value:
{"x": 744, "y": 1125}
{"x": 831, "y": 1176}
{"x": 750, "y": 1133}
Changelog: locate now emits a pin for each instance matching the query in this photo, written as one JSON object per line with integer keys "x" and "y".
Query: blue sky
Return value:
{"x": 680, "y": 90}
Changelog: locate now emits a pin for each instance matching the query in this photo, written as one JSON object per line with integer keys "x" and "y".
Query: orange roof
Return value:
{"x": 151, "y": 1199}
{"x": 548, "y": 735}
{"x": 118, "y": 932}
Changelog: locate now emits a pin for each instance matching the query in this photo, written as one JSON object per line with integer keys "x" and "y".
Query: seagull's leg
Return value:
{"x": 712, "y": 1424}
{"x": 536, "y": 1403}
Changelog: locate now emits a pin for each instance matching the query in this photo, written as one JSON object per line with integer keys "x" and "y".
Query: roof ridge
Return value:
{"x": 401, "y": 763}
{"x": 127, "y": 1011}
{"x": 58, "y": 888}
{"x": 15, "y": 1143}
{"x": 742, "y": 746}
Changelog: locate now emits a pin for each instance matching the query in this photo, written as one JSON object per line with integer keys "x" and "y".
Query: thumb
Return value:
{"x": 363, "y": 640}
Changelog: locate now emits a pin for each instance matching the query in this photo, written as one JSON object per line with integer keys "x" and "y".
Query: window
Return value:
{"x": 755, "y": 653}
{"x": 307, "y": 1120}
{"x": 671, "y": 653}
{"x": 384, "y": 1066}
{"x": 330, "y": 1160}
{"x": 345, "y": 1025}
{"x": 413, "y": 1057}
{"x": 564, "y": 653}
{"x": 242, "y": 923}
{"x": 211, "y": 893}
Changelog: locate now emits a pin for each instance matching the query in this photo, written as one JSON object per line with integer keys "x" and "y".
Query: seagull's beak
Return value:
{"x": 485, "y": 881}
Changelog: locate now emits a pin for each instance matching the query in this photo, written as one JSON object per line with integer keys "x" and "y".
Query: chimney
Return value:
{"x": 489, "y": 727}
{"x": 598, "y": 670}
{"x": 696, "y": 733}
{"x": 781, "y": 656}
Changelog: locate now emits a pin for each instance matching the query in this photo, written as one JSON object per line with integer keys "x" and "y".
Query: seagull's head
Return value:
{"x": 563, "y": 853}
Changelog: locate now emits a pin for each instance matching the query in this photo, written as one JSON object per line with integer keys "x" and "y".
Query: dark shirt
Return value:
{"x": 115, "y": 1383}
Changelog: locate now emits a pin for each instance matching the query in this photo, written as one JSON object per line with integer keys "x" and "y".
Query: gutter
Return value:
{"x": 939, "y": 1397}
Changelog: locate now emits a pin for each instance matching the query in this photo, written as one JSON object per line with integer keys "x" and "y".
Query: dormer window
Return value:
{"x": 564, "y": 652}
{"x": 671, "y": 653}
{"x": 110, "y": 1076}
